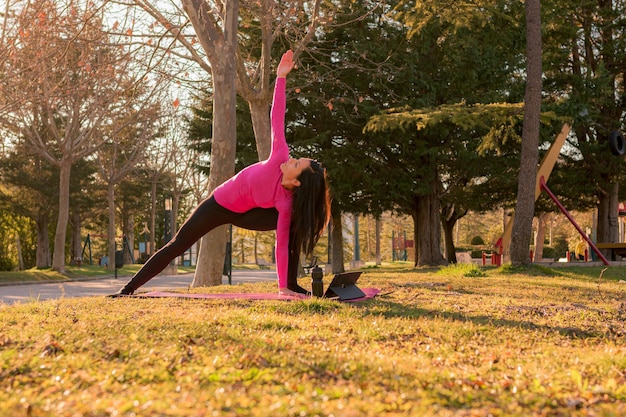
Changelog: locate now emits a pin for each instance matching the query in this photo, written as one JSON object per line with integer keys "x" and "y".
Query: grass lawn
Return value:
{"x": 455, "y": 341}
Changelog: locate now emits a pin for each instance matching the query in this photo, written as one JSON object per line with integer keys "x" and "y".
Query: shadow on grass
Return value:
{"x": 385, "y": 308}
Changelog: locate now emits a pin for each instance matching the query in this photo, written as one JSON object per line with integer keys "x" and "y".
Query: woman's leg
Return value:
{"x": 261, "y": 219}
{"x": 207, "y": 216}
{"x": 265, "y": 219}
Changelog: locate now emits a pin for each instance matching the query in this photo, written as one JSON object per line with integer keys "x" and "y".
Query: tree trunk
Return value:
{"x": 153, "y": 207}
{"x": 368, "y": 236}
{"x": 209, "y": 269}
{"x": 337, "y": 243}
{"x": 356, "y": 247}
{"x": 259, "y": 110}
{"x": 525, "y": 206}
{"x": 608, "y": 229}
{"x": 427, "y": 230}
{"x": 111, "y": 245}
{"x": 58, "y": 258}
{"x": 210, "y": 264}
{"x": 448, "y": 237}
{"x": 449, "y": 218}
{"x": 20, "y": 258}
{"x": 378, "y": 227}
{"x": 541, "y": 235}
{"x": 43, "y": 240}
{"x": 77, "y": 246}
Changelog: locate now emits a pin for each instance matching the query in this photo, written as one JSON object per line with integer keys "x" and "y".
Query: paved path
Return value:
{"x": 12, "y": 294}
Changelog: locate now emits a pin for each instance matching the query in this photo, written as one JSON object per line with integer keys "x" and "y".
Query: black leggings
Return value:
{"x": 206, "y": 217}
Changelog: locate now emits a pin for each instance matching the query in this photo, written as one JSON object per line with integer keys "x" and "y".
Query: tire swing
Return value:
{"x": 617, "y": 143}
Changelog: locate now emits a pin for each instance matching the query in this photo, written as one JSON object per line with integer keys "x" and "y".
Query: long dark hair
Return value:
{"x": 310, "y": 210}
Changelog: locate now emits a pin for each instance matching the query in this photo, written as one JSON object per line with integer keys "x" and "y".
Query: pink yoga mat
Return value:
{"x": 369, "y": 293}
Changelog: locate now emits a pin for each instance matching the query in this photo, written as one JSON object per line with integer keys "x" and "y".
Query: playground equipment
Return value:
{"x": 617, "y": 143}
{"x": 400, "y": 246}
{"x": 547, "y": 164}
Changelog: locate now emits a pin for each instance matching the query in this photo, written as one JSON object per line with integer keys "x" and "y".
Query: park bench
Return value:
{"x": 263, "y": 264}
{"x": 618, "y": 249}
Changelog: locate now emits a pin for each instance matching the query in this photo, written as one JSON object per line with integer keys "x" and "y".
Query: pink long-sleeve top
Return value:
{"x": 259, "y": 185}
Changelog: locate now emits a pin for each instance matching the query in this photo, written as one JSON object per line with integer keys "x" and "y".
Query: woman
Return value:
{"x": 281, "y": 193}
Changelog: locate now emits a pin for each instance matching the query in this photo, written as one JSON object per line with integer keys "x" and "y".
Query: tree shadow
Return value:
{"x": 381, "y": 307}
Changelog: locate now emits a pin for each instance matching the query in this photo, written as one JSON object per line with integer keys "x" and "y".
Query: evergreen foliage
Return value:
{"x": 401, "y": 101}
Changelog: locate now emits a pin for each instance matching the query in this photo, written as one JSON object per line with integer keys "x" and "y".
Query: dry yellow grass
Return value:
{"x": 459, "y": 341}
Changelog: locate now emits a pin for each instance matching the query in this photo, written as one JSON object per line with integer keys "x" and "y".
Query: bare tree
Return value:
{"x": 198, "y": 183}
{"x": 157, "y": 164}
{"x": 542, "y": 220}
{"x": 121, "y": 154}
{"x": 170, "y": 164}
{"x": 183, "y": 169}
{"x": 69, "y": 79}
{"x": 9, "y": 28}
{"x": 292, "y": 22}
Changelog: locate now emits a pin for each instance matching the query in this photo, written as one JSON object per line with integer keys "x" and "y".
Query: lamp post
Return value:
{"x": 171, "y": 269}
{"x": 167, "y": 230}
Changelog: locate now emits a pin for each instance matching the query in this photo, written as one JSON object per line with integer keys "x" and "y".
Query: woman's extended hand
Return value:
{"x": 285, "y": 65}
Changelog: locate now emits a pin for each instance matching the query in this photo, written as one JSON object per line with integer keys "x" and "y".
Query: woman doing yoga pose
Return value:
{"x": 284, "y": 194}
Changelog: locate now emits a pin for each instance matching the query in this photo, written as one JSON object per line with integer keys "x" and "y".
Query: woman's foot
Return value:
{"x": 287, "y": 291}
{"x": 298, "y": 289}
{"x": 125, "y": 291}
